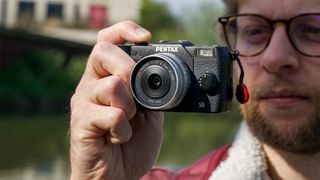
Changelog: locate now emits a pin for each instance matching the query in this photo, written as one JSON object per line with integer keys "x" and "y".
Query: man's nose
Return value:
{"x": 280, "y": 55}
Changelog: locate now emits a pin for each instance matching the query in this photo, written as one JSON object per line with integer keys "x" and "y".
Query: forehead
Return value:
{"x": 279, "y": 8}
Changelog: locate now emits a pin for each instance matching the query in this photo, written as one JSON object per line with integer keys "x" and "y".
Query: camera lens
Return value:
{"x": 154, "y": 81}
{"x": 160, "y": 81}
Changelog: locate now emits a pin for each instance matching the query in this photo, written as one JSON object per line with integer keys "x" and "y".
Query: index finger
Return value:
{"x": 106, "y": 58}
{"x": 123, "y": 32}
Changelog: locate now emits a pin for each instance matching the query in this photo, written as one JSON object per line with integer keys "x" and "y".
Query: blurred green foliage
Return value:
{"x": 157, "y": 18}
{"x": 196, "y": 25}
{"x": 37, "y": 82}
{"x": 201, "y": 24}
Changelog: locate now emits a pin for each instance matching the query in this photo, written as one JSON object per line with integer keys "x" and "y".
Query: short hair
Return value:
{"x": 231, "y": 6}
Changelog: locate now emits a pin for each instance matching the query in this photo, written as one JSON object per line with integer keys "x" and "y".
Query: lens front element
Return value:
{"x": 155, "y": 81}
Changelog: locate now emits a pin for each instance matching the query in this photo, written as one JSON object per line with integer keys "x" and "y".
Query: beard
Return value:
{"x": 287, "y": 129}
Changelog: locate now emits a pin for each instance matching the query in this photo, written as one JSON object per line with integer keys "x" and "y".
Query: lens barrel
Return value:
{"x": 160, "y": 81}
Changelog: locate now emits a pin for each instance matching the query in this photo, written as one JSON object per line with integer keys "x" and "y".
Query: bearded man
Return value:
{"x": 279, "y": 45}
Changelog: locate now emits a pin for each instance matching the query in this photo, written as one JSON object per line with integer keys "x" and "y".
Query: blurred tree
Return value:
{"x": 200, "y": 25}
{"x": 157, "y": 18}
{"x": 196, "y": 25}
{"x": 37, "y": 83}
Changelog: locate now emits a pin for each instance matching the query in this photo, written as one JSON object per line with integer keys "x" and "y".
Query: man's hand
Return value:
{"x": 109, "y": 137}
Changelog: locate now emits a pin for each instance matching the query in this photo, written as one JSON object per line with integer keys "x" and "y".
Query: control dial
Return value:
{"x": 208, "y": 82}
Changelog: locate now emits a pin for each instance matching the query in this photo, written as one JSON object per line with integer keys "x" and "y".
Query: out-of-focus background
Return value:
{"x": 44, "y": 45}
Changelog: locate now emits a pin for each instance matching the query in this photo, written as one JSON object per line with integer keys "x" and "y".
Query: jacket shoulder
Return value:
{"x": 201, "y": 169}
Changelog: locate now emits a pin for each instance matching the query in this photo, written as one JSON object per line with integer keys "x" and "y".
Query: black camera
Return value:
{"x": 181, "y": 77}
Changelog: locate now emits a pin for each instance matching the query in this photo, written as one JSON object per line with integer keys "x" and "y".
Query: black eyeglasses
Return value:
{"x": 251, "y": 33}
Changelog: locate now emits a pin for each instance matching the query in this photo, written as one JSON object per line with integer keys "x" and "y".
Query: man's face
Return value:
{"x": 284, "y": 85}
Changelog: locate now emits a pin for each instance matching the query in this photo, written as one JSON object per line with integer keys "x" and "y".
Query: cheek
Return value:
{"x": 311, "y": 67}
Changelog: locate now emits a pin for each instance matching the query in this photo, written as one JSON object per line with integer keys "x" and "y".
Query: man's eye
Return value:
{"x": 310, "y": 29}
{"x": 310, "y": 33}
{"x": 254, "y": 31}
{"x": 255, "y": 34}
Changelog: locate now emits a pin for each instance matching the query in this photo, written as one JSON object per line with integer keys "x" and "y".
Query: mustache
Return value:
{"x": 279, "y": 88}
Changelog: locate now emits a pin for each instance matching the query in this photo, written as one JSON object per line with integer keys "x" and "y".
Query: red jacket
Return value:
{"x": 200, "y": 170}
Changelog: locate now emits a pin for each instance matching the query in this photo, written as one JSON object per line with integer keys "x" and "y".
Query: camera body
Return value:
{"x": 181, "y": 77}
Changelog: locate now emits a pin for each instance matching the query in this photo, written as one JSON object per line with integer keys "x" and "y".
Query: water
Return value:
{"x": 36, "y": 147}
{"x": 57, "y": 169}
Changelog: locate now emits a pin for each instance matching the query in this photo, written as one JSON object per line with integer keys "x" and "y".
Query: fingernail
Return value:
{"x": 141, "y": 31}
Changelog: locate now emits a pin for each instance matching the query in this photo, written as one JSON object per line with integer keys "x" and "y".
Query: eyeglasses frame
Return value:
{"x": 287, "y": 22}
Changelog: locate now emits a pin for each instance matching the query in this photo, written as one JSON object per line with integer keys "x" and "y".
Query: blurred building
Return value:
{"x": 93, "y": 14}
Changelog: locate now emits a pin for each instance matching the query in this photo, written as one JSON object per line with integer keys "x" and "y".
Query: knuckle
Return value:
{"x": 101, "y": 33}
{"x": 124, "y": 113}
{"x": 117, "y": 90}
{"x": 106, "y": 33}
{"x": 128, "y": 71}
{"x": 74, "y": 119}
{"x": 115, "y": 84}
{"x": 118, "y": 115}
{"x": 76, "y": 116}
{"x": 79, "y": 136}
{"x": 127, "y": 23}
{"x": 98, "y": 54}
{"x": 78, "y": 98}
{"x": 73, "y": 100}
{"x": 123, "y": 25}
{"x": 132, "y": 110}
{"x": 77, "y": 107}
{"x": 102, "y": 47}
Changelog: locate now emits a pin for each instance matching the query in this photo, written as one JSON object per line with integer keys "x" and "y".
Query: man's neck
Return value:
{"x": 285, "y": 165}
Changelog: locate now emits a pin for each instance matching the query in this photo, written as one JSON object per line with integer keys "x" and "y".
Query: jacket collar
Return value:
{"x": 246, "y": 160}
